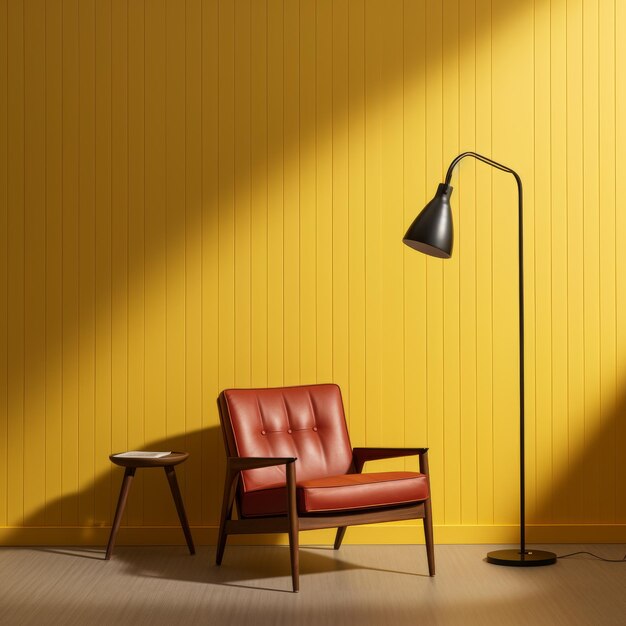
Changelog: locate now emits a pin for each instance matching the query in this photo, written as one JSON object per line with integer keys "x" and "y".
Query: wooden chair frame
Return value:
{"x": 292, "y": 523}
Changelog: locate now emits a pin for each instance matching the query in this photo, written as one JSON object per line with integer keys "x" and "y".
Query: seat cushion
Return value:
{"x": 349, "y": 492}
{"x": 341, "y": 494}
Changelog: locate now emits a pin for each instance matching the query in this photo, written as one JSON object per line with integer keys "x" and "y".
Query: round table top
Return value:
{"x": 173, "y": 458}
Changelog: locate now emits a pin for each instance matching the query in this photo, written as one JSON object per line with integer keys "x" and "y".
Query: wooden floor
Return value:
{"x": 364, "y": 585}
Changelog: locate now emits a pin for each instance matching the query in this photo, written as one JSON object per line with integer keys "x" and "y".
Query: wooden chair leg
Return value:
{"x": 428, "y": 536}
{"x": 119, "y": 511}
{"x": 341, "y": 531}
{"x": 180, "y": 507}
{"x": 230, "y": 486}
{"x": 428, "y": 518}
{"x": 293, "y": 527}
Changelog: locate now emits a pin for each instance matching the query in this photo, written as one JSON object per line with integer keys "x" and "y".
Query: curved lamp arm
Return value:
{"x": 484, "y": 159}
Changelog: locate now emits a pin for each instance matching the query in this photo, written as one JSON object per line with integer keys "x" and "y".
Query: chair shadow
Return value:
{"x": 149, "y": 503}
{"x": 240, "y": 564}
{"x": 96, "y": 554}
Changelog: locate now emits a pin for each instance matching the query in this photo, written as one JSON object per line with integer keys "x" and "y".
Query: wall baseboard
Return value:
{"x": 401, "y": 533}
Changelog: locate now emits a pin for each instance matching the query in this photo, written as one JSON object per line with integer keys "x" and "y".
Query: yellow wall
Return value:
{"x": 202, "y": 194}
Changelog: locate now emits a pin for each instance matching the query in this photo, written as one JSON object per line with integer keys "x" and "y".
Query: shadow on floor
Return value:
{"x": 241, "y": 563}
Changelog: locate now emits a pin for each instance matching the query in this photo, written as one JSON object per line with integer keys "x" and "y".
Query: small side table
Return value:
{"x": 131, "y": 464}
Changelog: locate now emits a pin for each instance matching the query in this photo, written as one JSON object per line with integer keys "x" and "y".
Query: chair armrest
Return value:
{"x": 236, "y": 464}
{"x": 362, "y": 455}
{"x": 240, "y": 463}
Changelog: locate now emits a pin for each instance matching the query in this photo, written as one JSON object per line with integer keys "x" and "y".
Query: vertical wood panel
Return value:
{"x": 226, "y": 190}
{"x": 373, "y": 219}
{"x": 175, "y": 222}
{"x": 591, "y": 252}
{"x": 467, "y": 250}
{"x": 119, "y": 223}
{"x": 259, "y": 214}
{"x": 193, "y": 261}
{"x": 54, "y": 258}
{"x": 34, "y": 259}
{"x": 70, "y": 330}
{"x": 212, "y": 447}
{"x": 4, "y": 302}
{"x": 136, "y": 247}
{"x": 558, "y": 245}
{"x": 451, "y": 444}
{"x": 415, "y": 191}
{"x": 242, "y": 207}
{"x": 275, "y": 191}
{"x": 620, "y": 242}
{"x": 120, "y": 218}
{"x": 306, "y": 90}
{"x": 324, "y": 250}
{"x": 543, "y": 259}
{"x": 434, "y": 301}
{"x": 356, "y": 220}
{"x": 102, "y": 240}
{"x": 484, "y": 266}
{"x": 340, "y": 198}
{"x": 15, "y": 260}
{"x": 575, "y": 258}
{"x": 392, "y": 222}
{"x": 86, "y": 261}
{"x": 607, "y": 262}
{"x": 291, "y": 193}
{"x": 155, "y": 241}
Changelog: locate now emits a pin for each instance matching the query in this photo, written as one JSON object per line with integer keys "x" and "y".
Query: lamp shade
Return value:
{"x": 431, "y": 232}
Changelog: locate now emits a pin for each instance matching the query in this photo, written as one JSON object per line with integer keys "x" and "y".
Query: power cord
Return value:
{"x": 595, "y": 556}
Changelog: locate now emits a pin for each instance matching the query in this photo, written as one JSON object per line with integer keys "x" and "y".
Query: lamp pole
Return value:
{"x": 432, "y": 233}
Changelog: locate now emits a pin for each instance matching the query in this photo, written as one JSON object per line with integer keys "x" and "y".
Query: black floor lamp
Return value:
{"x": 432, "y": 233}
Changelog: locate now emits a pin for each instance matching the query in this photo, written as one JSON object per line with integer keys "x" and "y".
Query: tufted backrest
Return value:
{"x": 306, "y": 422}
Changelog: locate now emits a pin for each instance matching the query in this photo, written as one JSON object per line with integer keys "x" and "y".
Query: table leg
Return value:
{"x": 180, "y": 508}
{"x": 121, "y": 504}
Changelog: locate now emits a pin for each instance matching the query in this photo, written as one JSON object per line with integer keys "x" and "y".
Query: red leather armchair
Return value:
{"x": 291, "y": 467}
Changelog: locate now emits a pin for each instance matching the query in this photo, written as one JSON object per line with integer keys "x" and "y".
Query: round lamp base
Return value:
{"x": 517, "y": 558}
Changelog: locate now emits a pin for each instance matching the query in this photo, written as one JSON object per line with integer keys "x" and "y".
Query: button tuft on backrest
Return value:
{"x": 306, "y": 422}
